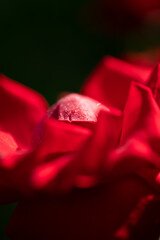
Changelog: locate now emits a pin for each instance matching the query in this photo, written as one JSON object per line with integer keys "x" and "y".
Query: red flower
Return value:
{"x": 88, "y": 168}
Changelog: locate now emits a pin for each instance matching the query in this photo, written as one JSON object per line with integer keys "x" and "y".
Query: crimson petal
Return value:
{"x": 110, "y": 82}
{"x": 21, "y": 109}
{"x": 138, "y": 152}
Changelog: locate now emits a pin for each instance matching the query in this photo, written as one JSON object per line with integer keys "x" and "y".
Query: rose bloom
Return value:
{"x": 121, "y": 15}
{"x": 88, "y": 166}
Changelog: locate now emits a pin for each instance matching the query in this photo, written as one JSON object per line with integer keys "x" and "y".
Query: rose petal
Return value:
{"x": 139, "y": 149}
{"x": 154, "y": 83}
{"x": 104, "y": 138}
{"x": 50, "y": 166}
{"x": 85, "y": 168}
{"x": 21, "y": 109}
{"x": 142, "y": 106}
{"x": 45, "y": 173}
{"x": 7, "y": 144}
{"x": 110, "y": 82}
{"x": 59, "y": 137}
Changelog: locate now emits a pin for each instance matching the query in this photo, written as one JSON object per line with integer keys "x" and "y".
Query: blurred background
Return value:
{"x": 52, "y": 46}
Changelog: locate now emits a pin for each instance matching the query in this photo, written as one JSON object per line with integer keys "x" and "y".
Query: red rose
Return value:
{"x": 88, "y": 168}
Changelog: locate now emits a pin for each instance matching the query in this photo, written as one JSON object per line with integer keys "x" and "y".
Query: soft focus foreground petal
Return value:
{"x": 95, "y": 213}
{"x": 110, "y": 82}
{"x": 21, "y": 109}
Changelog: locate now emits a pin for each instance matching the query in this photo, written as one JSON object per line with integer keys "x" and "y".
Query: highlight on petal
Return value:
{"x": 7, "y": 144}
{"x": 76, "y": 109}
{"x": 21, "y": 109}
{"x": 73, "y": 109}
{"x": 10, "y": 154}
{"x": 110, "y": 82}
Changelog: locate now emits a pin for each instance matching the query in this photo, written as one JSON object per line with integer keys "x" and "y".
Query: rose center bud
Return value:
{"x": 73, "y": 108}
{"x": 77, "y": 109}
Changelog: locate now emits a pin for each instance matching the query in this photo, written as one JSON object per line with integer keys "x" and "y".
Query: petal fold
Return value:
{"x": 110, "y": 81}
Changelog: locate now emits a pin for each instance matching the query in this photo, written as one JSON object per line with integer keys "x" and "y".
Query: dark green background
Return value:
{"x": 46, "y": 45}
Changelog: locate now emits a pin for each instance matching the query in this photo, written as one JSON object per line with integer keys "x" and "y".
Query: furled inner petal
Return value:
{"x": 76, "y": 108}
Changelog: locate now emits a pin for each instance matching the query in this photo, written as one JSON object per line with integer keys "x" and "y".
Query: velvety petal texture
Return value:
{"x": 89, "y": 166}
